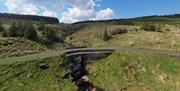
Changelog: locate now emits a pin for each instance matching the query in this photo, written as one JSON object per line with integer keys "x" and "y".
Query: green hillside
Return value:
{"x": 120, "y": 71}
{"x": 91, "y": 36}
{"x": 30, "y": 76}
{"x": 130, "y": 71}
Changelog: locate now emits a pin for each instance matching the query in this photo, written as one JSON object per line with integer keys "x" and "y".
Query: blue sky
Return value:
{"x": 134, "y": 8}
{"x": 79, "y": 10}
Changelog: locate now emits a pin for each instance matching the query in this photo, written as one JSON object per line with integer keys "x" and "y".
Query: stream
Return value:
{"x": 80, "y": 75}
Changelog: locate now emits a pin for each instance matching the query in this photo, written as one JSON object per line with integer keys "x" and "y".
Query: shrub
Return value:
{"x": 148, "y": 27}
{"x": 30, "y": 33}
{"x": 119, "y": 31}
{"x": 12, "y": 31}
{"x": 41, "y": 25}
{"x": 4, "y": 34}
{"x": 167, "y": 29}
{"x": 1, "y": 27}
{"x": 151, "y": 27}
{"x": 21, "y": 28}
{"x": 158, "y": 29}
{"x": 48, "y": 36}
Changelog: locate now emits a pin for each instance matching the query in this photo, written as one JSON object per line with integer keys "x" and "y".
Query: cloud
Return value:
{"x": 79, "y": 10}
{"x": 22, "y": 7}
{"x": 105, "y": 14}
{"x": 49, "y": 13}
{"x": 66, "y": 10}
{"x": 75, "y": 14}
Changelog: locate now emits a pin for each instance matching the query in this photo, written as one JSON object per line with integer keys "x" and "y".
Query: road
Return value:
{"x": 79, "y": 51}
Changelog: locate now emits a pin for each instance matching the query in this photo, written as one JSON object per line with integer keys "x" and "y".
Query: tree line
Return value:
{"x": 50, "y": 20}
{"x": 38, "y": 33}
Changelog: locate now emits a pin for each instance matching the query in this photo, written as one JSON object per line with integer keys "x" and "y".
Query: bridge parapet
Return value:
{"x": 83, "y": 51}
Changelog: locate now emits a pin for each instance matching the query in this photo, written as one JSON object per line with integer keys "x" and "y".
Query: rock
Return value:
{"x": 162, "y": 77}
{"x": 140, "y": 58}
{"x": 43, "y": 66}
{"x": 142, "y": 67}
{"x": 85, "y": 78}
{"x": 177, "y": 83}
{"x": 131, "y": 43}
{"x": 158, "y": 66}
{"x": 153, "y": 71}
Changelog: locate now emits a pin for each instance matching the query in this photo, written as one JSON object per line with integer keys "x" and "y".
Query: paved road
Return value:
{"x": 84, "y": 51}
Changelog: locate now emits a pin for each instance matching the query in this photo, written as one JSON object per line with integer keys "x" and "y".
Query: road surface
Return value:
{"x": 78, "y": 51}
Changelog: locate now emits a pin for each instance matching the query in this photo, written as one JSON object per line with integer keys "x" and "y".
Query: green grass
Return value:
{"x": 120, "y": 71}
{"x": 14, "y": 76}
{"x": 158, "y": 20}
{"x": 116, "y": 72}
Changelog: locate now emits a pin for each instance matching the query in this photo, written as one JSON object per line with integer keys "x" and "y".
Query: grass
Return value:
{"x": 28, "y": 76}
{"x": 13, "y": 47}
{"x": 130, "y": 71}
{"x": 91, "y": 37}
{"x": 158, "y": 20}
{"x": 136, "y": 72}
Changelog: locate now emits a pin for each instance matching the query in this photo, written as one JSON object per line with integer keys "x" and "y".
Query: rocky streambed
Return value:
{"x": 79, "y": 74}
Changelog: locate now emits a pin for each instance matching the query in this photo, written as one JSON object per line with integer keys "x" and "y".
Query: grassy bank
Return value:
{"x": 136, "y": 72}
{"x": 30, "y": 76}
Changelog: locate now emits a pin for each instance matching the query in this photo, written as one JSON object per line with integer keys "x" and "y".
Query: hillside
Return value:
{"x": 29, "y": 76}
{"x": 163, "y": 19}
{"x": 13, "y": 47}
{"x": 9, "y": 18}
{"x": 134, "y": 37}
{"x": 125, "y": 70}
{"x": 134, "y": 71}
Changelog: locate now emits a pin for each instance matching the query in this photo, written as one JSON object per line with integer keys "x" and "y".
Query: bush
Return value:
{"x": 148, "y": 27}
{"x": 1, "y": 27}
{"x": 158, "y": 29}
{"x": 48, "y": 36}
{"x": 41, "y": 26}
{"x": 151, "y": 27}
{"x": 21, "y": 28}
{"x": 119, "y": 31}
{"x": 12, "y": 31}
{"x": 4, "y": 34}
{"x": 30, "y": 33}
{"x": 167, "y": 29}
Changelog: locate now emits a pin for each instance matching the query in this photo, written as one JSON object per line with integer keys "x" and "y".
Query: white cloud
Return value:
{"x": 49, "y": 13}
{"x": 75, "y": 14}
{"x": 105, "y": 14}
{"x": 19, "y": 6}
{"x": 66, "y": 10}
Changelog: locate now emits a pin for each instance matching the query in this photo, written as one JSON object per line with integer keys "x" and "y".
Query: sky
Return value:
{"x": 70, "y": 11}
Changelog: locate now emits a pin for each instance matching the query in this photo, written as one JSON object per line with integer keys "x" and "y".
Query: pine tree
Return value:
{"x": 21, "y": 28}
{"x": 12, "y": 31}
{"x": 1, "y": 27}
{"x": 41, "y": 25}
{"x": 30, "y": 33}
{"x": 48, "y": 35}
